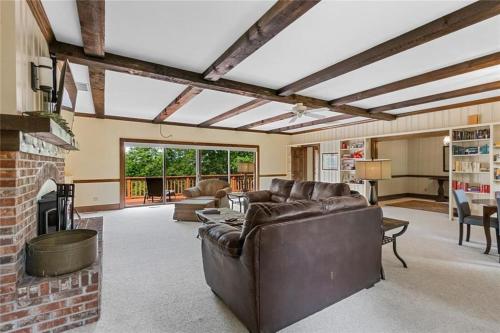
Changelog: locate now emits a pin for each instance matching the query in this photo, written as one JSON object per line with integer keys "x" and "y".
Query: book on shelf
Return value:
{"x": 478, "y": 134}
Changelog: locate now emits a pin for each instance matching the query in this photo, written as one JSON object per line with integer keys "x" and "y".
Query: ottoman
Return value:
{"x": 185, "y": 210}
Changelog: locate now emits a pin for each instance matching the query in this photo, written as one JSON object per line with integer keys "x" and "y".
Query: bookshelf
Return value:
{"x": 471, "y": 163}
{"x": 350, "y": 152}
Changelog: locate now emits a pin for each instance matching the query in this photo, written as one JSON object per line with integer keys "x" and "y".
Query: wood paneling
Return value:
{"x": 42, "y": 19}
{"x": 234, "y": 112}
{"x": 282, "y": 14}
{"x": 97, "y": 83}
{"x": 459, "y": 19}
{"x": 439, "y": 74}
{"x": 138, "y": 67}
{"x": 452, "y": 106}
{"x": 439, "y": 97}
{"x": 184, "y": 97}
{"x": 91, "y": 14}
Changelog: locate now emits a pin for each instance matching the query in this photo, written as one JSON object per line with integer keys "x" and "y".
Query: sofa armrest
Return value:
{"x": 191, "y": 192}
{"x": 222, "y": 192}
{"x": 223, "y": 236}
{"x": 259, "y": 196}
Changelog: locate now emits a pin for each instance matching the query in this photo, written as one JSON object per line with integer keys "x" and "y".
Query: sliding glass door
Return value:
{"x": 159, "y": 173}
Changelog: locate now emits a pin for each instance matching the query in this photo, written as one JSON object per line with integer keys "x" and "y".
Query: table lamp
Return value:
{"x": 373, "y": 170}
{"x": 245, "y": 168}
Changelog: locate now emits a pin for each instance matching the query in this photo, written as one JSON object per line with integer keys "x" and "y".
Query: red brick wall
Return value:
{"x": 30, "y": 304}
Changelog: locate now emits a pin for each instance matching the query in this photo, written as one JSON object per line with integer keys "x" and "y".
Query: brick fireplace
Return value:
{"x": 34, "y": 304}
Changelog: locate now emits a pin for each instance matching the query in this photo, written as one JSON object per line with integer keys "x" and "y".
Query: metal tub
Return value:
{"x": 61, "y": 252}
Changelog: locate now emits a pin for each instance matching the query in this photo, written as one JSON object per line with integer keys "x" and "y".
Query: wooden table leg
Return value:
{"x": 486, "y": 224}
{"x": 440, "y": 195}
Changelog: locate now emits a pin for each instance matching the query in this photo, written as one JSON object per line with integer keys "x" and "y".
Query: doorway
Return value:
{"x": 305, "y": 162}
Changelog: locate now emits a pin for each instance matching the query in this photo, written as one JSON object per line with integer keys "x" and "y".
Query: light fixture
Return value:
{"x": 446, "y": 140}
{"x": 42, "y": 76}
{"x": 373, "y": 170}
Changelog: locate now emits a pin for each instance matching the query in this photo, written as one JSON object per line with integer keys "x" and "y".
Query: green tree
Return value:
{"x": 141, "y": 162}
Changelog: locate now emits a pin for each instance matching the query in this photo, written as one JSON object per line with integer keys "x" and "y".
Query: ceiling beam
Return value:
{"x": 184, "y": 97}
{"x": 438, "y": 97}
{"x": 280, "y": 16}
{"x": 334, "y": 126}
{"x": 236, "y": 111}
{"x": 97, "y": 81}
{"x": 91, "y": 14}
{"x": 41, "y": 19}
{"x": 452, "y": 106}
{"x": 459, "y": 19}
{"x": 311, "y": 123}
{"x": 439, "y": 74}
{"x": 138, "y": 67}
{"x": 279, "y": 117}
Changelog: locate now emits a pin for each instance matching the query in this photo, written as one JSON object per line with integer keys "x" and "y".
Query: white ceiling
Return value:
{"x": 192, "y": 34}
{"x": 206, "y": 105}
{"x": 339, "y": 122}
{"x": 137, "y": 97}
{"x": 303, "y": 119}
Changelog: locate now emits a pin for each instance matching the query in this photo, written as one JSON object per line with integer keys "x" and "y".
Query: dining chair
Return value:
{"x": 465, "y": 216}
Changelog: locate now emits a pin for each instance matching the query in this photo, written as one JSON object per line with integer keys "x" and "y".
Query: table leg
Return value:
{"x": 486, "y": 224}
{"x": 394, "y": 246}
{"x": 239, "y": 203}
{"x": 440, "y": 195}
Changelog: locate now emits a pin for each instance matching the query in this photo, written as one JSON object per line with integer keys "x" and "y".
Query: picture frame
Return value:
{"x": 446, "y": 158}
{"x": 330, "y": 161}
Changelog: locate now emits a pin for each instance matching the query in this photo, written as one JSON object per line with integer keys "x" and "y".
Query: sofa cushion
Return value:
{"x": 327, "y": 190}
{"x": 280, "y": 189}
{"x": 211, "y": 186}
{"x": 270, "y": 212}
{"x": 301, "y": 190}
{"x": 259, "y": 196}
{"x": 224, "y": 236}
{"x": 335, "y": 204}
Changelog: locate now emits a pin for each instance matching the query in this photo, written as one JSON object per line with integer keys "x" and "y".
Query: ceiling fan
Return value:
{"x": 300, "y": 110}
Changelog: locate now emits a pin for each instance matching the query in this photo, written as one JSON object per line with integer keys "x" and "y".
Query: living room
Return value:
{"x": 262, "y": 166}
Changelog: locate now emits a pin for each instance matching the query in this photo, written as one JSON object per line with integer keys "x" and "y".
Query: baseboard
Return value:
{"x": 407, "y": 195}
{"x": 97, "y": 208}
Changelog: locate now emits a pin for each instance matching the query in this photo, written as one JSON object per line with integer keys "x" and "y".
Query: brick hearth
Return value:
{"x": 32, "y": 304}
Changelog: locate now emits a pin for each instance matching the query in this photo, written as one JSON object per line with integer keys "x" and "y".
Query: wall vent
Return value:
{"x": 81, "y": 86}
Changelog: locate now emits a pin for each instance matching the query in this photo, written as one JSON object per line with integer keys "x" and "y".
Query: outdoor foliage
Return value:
{"x": 141, "y": 162}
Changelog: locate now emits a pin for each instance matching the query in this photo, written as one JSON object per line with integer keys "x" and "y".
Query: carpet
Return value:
{"x": 429, "y": 206}
{"x": 153, "y": 282}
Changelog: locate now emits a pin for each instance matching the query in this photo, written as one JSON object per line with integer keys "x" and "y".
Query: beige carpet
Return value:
{"x": 153, "y": 282}
{"x": 430, "y": 206}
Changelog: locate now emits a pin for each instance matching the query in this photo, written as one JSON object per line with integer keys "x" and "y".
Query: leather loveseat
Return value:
{"x": 293, "y": 258}
{"x": 210, "y": 189}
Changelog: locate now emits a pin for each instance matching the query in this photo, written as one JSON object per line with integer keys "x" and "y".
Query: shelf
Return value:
{"x": 352, "y": 158}
{"x": 467, "y": 155}
{"x": 472, "y": 140}
{"x": 471, "y": 172}
{"x": 347, "y": 170}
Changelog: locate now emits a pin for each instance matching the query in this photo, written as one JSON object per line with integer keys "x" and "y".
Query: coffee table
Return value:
{"x": 225, "y": 213}
{"x": 185, "y": 210}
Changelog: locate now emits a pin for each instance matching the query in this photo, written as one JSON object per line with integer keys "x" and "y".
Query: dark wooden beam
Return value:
{"x": 280, "y": 16}
{"x": 184, "y": 97}
{"x": 279, "y": 117}
{"x": 452, "y": 106}
{"x": 439, "y": 97}
{"x": 233, "y": 112}
{"x": 335, "y": 126}
{"x": 97, "y": 81}
{"x": 459, "y": 19}
{"x": 41, "y": 18}
{"x": 138, "y": 67}
{"x": 439, "y": 74}
{"x": 91, "y": 14}
{"x": 311, "y": 123}
{"x": 70, "y": 85}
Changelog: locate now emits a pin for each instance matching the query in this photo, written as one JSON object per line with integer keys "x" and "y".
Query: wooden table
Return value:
{"x": 224, "y": 214}
{"x": 489, "y": 208}
{"x": 440, "y": 179}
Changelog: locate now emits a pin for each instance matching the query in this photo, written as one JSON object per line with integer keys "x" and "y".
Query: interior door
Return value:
{"x": 299, "y": 163}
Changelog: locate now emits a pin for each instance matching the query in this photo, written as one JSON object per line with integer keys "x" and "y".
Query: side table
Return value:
{"x": 390, "y": 224}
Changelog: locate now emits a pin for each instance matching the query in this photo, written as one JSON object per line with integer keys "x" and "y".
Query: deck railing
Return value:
{"x": 135, "y": 187}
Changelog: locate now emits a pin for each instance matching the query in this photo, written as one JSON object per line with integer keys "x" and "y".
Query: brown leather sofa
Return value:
{"x": 210, "y": 189}
{"x": 293, "y": 258}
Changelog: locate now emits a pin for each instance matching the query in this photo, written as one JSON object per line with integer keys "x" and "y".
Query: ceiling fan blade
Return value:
{"x": 314, "y": 115}
{"x": 294, "y": 119}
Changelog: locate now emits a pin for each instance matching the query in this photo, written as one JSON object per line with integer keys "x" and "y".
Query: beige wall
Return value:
{"x": 21, "y": 42}
{"x": 99, "y": 156}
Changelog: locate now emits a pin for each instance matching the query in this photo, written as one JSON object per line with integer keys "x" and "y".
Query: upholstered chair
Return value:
{"x": 465, "y": 216}
{"x": 210, "y": 189}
